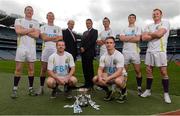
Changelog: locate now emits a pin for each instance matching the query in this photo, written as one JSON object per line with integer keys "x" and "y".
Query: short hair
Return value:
{"x": 106, "y": 19}
{"x": 50, "y": 13}
{"x": 28, "y": 7}
{"x": 110, "y": 37}
{"x": 132, "y": 15}
{"x": 60, "y": 41}
{"x": 70, "y": 21}
{"x": 157, "y": 9}
{"x": 89, "y": 20}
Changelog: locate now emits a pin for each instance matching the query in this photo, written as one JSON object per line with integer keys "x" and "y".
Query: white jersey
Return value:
{"x": 102, "y": 36}
{"x": 130, "y": 47}
{"x": 111, "y": 62}
{"x": 60, "y": 64}
{"x": 50, "y": 31}
{"x": 158, "y": 44}
{"x": 26, "y": 41}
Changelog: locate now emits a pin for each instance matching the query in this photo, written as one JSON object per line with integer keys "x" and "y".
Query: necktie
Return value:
{"x": 72, "y": 35}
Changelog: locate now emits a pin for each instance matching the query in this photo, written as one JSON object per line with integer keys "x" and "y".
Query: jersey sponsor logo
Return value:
{"x": 110, "y": 70}
{"x": 130, "y": 33}
{"x": 62, "y": 69}
{"x": 51, "y": 35}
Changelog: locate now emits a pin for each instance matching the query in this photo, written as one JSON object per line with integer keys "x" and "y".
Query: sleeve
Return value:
{"x": 42, "y": 29}
{"x": 102, "y": 61}
{"x": 165, "y": 25}
{"x": 139, "y": 31}
{"x": 99, "y": 36}
{"x": 50, "y": 63}
{"x": 119, "y": 60}
{"x": 37, "y": 25}
{"x": 71, "y": 62}
{"x": 17, "y": 22}
{"x": 59, "y": 31}
{"x": 112, "y": 34}
{"x": 147, "y": 28}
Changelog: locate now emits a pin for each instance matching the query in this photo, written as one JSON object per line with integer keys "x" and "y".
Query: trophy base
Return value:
{"x": 84, "y": 105}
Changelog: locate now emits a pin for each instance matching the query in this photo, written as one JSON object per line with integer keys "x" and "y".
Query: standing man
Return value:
{"x": 27, "y": 31}
{"x": 70, "y": 39}
{"x": 111, "y": 71}
{"x": 131, "y": 37}
{"x": 50, "y": 34}
{"x": 88, "y": 51}
{"x": 157, "y": 35}
{"x": 61, "y": 69}
{"x": 107, "y": 32}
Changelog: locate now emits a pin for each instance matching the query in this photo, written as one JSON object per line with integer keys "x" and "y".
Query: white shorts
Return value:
{"x": 46, "y": 53}
{"x": 131, "y": 58}
{"x": 158, "y": 59}
{"x": 25, "y": 54}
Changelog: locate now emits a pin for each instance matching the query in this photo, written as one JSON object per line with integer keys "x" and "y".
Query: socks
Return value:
{"x": 16, "y": 82}
{"x": 55, "y": 88}
{"x": 42, "y": 80}
{"x": 31, "y": 80}
{"x": 104, "y": 88}
{"x": 165, "y": 83}
{"x": 139, "y": 82}
{"x": 149, "y": 83}
{"x": 123, "y": 91}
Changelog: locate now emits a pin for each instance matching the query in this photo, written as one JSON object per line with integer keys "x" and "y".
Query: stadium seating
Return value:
{"x": 8, "y": 41}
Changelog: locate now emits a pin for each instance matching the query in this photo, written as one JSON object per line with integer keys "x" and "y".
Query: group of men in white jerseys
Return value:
{"x": 112, "y": 64}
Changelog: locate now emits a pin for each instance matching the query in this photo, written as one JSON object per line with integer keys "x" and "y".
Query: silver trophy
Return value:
{"x": 82, "y": 100}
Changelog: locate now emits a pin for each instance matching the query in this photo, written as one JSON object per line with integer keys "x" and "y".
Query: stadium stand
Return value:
{"x": 8, "y": 40}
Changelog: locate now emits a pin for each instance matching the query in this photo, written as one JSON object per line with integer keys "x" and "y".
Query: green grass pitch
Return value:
{"x": 43, "y": 105}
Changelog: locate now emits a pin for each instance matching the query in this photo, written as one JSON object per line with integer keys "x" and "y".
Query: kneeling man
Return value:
{"x": 61, "y": 68}
{"x": 111, "y": 71}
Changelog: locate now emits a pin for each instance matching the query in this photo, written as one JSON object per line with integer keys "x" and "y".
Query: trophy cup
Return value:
{"x": 82, "y": 98}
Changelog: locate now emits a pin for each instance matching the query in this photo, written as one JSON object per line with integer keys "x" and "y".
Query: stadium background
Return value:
{"x": 8, "y": 40}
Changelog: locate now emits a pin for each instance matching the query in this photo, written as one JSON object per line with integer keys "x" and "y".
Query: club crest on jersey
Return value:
{"x": 67, "y": 60}
{"x": 108, "y": 34}
{"x": 158, "y": 27}
{"x": 133, "y": 31}
{"x": 114, "y": 62}
{"x": 54, "y": 31}
{"x": 30, "y": 25}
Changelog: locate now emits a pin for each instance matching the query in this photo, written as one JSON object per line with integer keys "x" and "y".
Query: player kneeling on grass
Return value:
{"x": 111, "y": 71}
{"x": 61, "y": 68}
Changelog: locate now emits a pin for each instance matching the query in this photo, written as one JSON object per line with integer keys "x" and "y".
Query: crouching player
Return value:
{"x": 61, "y": 68}
{"x": 111, "y": 71}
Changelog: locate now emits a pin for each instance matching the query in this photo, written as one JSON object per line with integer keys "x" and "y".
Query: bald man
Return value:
{"x": 70, "y": 39}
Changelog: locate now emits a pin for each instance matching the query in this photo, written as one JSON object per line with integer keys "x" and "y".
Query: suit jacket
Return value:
{"x": 88, "y": 42}
{"x": 71, "y": 44}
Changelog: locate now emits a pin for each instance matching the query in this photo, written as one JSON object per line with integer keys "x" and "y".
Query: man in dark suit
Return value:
{"x": 70, "y": 39}
{"x": 87, "y": 52}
